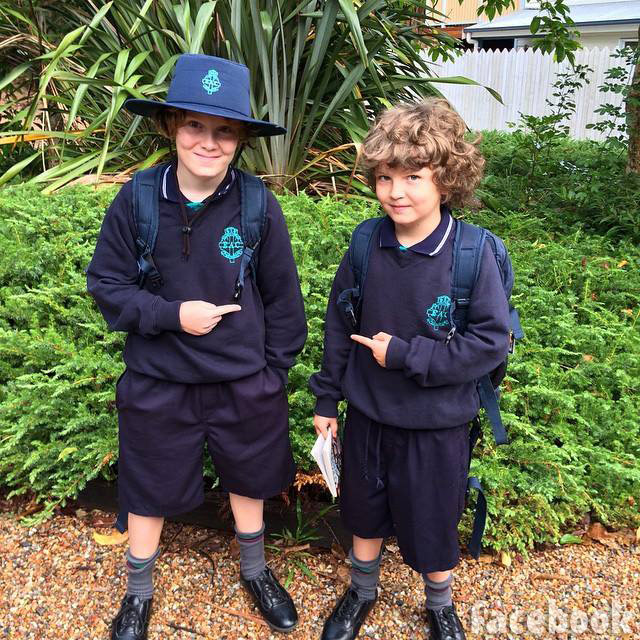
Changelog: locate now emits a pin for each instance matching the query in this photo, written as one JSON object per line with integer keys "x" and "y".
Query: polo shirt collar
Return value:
{"x": 430, "y": 246}
{"x": 169, "y": 190}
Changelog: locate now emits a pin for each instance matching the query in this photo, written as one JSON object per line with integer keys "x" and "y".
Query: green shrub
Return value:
{"x": 569, "y": 401}
{"x": 58, "y": 363}
{"x": 579, "y": 182}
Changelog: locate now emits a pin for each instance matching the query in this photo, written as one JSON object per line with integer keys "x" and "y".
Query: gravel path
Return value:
{"x": 57, "y": 583}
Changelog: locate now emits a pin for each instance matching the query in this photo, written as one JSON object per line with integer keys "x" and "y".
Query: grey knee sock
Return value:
{"x": 140, "y": 582}
{"x": 438, "y": 593}
{"x": 252, "y": 560}
{"x": 364, "y": 576}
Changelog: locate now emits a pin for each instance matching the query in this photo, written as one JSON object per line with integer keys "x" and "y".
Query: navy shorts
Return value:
{"x": 410, "y": 483}
{"x": 163, "y": 426}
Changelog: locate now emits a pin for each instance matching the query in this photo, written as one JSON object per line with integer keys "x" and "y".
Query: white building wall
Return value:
{"x": 588, "y": 40}
{"x": 600, "y": 40}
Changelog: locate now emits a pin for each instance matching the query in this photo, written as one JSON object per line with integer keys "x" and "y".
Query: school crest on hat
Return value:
{"x": 211, "y": 82}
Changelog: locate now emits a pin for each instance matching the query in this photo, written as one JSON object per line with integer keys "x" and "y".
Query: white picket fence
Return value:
{"x": 524, "y": 80}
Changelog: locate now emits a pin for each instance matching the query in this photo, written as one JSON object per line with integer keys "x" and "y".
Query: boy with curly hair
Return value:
{"x": 409, "y": 380}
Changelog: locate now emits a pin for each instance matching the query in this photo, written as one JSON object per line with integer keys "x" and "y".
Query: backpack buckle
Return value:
{"x": 156, "y": 280}
{"x": 452, "y": 332}
{"x": 237, "y": 291}
{"x": 352, "y": 316}
{"x": 512, "y": 343}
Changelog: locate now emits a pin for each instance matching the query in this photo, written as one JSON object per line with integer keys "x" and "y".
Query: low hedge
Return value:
{"x": 569, "y": 401}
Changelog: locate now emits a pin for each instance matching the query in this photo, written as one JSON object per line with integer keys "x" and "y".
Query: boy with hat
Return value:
{"x": 408, "y": 377}
{"x": 207, "y": 350}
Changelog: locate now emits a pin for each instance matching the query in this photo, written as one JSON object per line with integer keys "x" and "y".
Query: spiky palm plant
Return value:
{"x": 322, "y": 68}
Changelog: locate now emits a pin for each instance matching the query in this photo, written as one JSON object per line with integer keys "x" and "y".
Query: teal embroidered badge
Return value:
{"x": 438, "y": 312}
{"x": 231, "y": 244}
{"x": 211, "y": 82}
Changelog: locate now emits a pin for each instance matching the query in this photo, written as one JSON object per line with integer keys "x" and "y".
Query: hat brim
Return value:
{"x": 151, "y": 107}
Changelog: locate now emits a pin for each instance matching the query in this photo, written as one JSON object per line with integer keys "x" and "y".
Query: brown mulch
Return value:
{"x": 57, "y": 583}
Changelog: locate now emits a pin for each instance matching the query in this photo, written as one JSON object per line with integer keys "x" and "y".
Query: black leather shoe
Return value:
{"x": 347, "y": 617}
{"x": 132, "y": 620}
{"x": 274, "y": 603}
{"x": 445, "y": 624}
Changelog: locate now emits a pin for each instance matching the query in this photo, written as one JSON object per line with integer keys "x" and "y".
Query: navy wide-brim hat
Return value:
{"x": 206, "y": 84}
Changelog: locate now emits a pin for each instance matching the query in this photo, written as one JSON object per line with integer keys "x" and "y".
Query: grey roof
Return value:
{"x": 582, "y": 14}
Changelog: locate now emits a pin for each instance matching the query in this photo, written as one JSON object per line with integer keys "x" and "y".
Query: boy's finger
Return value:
{"x": 367, "y": 342}
{"x": 226, "y": 308}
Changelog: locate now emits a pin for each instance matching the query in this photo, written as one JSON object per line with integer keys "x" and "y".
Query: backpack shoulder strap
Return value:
{"x": 253, "y": 217}
{"x": 360, "y": 249}
{"x": 253, "y": 213}
{"x": 360, "y": 246}
{"x": 146, "y": 198}
{"x": 468, "y": 246}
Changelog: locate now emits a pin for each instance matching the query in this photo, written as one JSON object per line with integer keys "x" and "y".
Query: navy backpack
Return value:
{"x": 468, "y": 248}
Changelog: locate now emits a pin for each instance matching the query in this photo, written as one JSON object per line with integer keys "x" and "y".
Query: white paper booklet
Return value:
{"x": 326, "y": 452}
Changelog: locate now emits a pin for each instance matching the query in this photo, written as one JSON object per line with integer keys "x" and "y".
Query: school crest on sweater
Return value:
{"x": 438, "y": 312}
{"x": 231, "y": 244}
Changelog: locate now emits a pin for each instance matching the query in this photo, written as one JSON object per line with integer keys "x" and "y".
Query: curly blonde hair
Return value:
{"x": 426, "y": 134}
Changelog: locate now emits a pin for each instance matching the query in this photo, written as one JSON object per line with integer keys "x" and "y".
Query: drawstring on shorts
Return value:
{"x": 365, "y": 471}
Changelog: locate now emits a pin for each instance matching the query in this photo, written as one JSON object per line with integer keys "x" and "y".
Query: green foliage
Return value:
{"x": 58, "y": 365}
{"x": 305, "y": 531}
{"x": 321, "y": 68}
{"x": 574, "y": 183}
{"x": 540, "y": 169}
{"x": 291, "y": 546}
{"x": 618, "y": 80}
{"x": 556, "y": 30}
{"x": 538, "y": 135}
{"x": 570, "y": 397}
{"x": 552, "y": 24}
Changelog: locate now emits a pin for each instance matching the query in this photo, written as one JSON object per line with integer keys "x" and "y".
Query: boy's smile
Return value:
{"x": 410, "y": 198}
{"x": 205, "y": 146}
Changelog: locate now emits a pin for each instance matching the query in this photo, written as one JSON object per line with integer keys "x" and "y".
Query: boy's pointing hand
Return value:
{"x": 378, "y": 345}
{"x": 226, "y": 308}
{"x": 198, "y": 317}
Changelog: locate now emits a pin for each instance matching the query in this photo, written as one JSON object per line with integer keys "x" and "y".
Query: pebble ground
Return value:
{"x": 57, "y": 583}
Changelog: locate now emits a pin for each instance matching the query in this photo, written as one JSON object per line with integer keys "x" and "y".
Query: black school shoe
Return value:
{"x": 274, "y": 603}
{"x": 347, "y": 617}
{"x": 445, "y": 624}
{"x": 132, "y": 620}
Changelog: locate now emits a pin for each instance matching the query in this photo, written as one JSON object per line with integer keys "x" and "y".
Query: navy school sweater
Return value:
{"x": 426, "y": 384}
{"x": 271, "y": 327}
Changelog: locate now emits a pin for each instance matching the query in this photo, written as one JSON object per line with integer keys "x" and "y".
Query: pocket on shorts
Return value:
{"x": 276, "y": 380}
